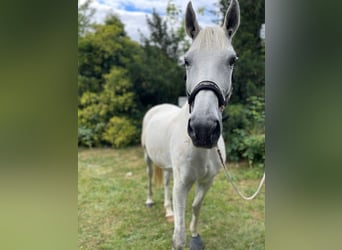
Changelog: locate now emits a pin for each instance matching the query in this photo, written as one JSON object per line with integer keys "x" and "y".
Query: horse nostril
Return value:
{"x": 191, "y": 131}
{"x": 215, "y": 131}
{"x": 217, "y": 128}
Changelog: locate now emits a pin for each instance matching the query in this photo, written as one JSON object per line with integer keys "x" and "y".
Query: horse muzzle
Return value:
{"x": 204, "y": 133}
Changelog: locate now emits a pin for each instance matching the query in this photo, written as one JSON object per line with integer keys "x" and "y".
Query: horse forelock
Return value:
{"x": 211, "y": 37}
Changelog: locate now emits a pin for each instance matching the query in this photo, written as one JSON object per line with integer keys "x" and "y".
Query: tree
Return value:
{"x": 106, "y": 95}
{"x": 160, "y": 79}
{"x": 85, "y": 13}
{"x": 99, "y": 112}
{"x": 248, "y": 75}
{"x": 168, "y": 33}
{"x": 99, "y": 50}
{"x": 163, "y": 78}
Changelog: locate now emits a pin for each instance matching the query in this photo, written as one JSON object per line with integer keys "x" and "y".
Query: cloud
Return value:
{"x": 135, "y": 22}
{"x": 133, "y": 12}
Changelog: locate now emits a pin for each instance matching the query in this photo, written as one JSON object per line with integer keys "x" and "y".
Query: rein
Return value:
{"x": 230, "y": 179}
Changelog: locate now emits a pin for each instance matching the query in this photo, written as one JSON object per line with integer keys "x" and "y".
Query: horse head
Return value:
{"x": 209, "y": 65}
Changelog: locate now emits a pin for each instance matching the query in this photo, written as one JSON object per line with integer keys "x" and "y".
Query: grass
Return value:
{"x": 112, "y": 189}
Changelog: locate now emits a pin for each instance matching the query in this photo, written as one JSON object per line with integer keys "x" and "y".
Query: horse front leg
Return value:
{"x": 196, "y": 242}
{"x": 180, "y": 192}
{"x": 167, "y": 196}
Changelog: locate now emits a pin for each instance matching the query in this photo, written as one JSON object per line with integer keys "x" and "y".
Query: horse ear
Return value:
{"x": 191, "y": 25}
{"x": 232, "y": 20}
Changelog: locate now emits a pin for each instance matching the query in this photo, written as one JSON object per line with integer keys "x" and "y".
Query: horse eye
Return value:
{"x": 233, "y": 60}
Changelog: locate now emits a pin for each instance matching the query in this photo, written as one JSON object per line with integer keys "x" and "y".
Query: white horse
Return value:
{"x": 184, "y": 141}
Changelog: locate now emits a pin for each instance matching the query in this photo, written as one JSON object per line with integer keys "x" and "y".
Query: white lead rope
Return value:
{"x": 230, "y": 179}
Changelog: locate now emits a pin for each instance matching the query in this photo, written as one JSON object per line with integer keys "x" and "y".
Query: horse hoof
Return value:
{"x": 196, "y": 243}
{"x": 169, "y": 218}
{"x": 149, "y": 204}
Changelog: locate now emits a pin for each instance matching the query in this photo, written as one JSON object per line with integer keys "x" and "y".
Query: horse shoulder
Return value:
{"x": 155, "y": 115}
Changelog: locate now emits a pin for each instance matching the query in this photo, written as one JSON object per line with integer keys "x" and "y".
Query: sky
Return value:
{"x": 133, "y": 12}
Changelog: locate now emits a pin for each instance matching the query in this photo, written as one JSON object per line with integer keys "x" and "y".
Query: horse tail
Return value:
{"x": 158, "y": 175}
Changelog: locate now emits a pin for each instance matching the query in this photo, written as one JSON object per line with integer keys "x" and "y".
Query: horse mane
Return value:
{"x": 211, "y": 37}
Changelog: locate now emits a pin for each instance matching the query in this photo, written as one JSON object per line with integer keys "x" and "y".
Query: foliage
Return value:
{"x": 245, "y": 128}
{"x": 254, "y": 148}
{"x": 256, "y": 112}
{"x": 85, "y": 136}
{"x": 90, "y": 136}
{"x": 85, "y": 13}
{"x": 245, "y": 132}
{"x": 100, "y": 50}
{"x": 246, "y": 146}
{"x": 120, "y": 132}
{"x": 104, "y": 83}
{"x": 162, "y": 78}
{"x": 248, "y": 75}
{"x": 120, "y": 79}
{"x": 96, "y": 109}
{"x": 237, "y": 118}
{"x": 168, "y": 33}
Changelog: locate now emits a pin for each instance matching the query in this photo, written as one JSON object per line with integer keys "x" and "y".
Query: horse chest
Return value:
{"x": 202, "y": 170}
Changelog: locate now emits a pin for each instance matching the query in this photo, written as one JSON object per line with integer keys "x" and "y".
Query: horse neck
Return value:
{"x": 184, "y": 113}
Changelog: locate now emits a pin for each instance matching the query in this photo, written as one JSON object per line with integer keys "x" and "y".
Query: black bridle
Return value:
{"x": 209, "y": 85}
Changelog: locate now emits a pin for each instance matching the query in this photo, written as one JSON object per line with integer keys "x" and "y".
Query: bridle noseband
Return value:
{"x": 209, "y": 85}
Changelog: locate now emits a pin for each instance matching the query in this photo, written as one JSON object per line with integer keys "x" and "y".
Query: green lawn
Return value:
{"x": 112, "y": 187}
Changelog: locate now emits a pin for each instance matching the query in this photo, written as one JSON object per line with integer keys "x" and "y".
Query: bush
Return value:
{"x": 254, "y": 148}
{"x": 244, "y": 131}
{"x": 85, "y": 136}
{"x": 120, "y": 132}
{"x": 242, "y": 145}
{"x": 236, "y": 118}
{"x": 96, "y": 109}
{"x": 235, "y": 144}
{"x": 89, "y": 136}
{"x": 256, "y": 112}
